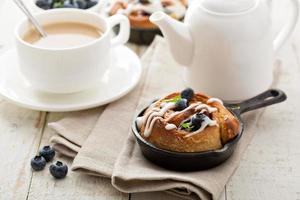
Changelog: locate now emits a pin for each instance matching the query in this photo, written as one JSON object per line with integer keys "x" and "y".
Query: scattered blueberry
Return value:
{"x": 49, "y": 4}
{"x": 45, "y": 4}
{"x": 90, "y": 3}
{"x": 38, "y": 163}
{"x": 47, "y": 152}
{"x": 181, "y": 105}
{"x": 144, "y": 1}
{"x": 197, "y": 120}
{"x": 58, "y": 170}
{"x": 187, "y": 94}
{"x": 81, "y": 4}
{"x": 70, "y": 4}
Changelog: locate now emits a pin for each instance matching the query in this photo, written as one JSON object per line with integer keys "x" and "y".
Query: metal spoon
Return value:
{"x": 33, "y": 21}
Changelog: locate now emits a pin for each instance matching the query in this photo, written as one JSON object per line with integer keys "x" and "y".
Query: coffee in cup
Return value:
{"x": 63, "y": 35}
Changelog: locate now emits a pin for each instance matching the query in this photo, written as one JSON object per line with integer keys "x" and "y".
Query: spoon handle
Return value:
{"x": 35, "y": 23}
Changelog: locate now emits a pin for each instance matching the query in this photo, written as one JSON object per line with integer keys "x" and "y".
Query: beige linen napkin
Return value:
{"x": 73, "y": 130}
{"x": 106, "y": 147}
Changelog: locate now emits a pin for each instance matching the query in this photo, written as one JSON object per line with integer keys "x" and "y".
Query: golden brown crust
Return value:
{"x": 211, "y": 138}
{"x": 138, "y": 20}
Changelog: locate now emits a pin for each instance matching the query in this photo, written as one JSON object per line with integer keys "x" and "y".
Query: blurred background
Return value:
{"x": 9, "y": 20}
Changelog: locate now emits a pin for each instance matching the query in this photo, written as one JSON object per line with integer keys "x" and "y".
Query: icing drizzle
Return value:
{"x": 170, "y": 127}
{"x": 199, "y": 107}
{"x": 207, "y": 122}
{"x": 153, "y": 115}
{"x": 175, "y": 7}
{"x": 157, "y": 113}
{"x": 208, "y": 108}
{"x": 211, "y": 100}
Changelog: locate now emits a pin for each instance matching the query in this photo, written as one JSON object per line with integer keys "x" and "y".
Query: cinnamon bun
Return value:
{"x": 188, "y": 122}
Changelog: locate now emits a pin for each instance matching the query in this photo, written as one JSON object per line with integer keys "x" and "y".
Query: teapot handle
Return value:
{"x": 286, "y": 31}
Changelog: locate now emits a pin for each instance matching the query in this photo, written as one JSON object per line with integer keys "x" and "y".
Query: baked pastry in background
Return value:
{"x": 51, "y": 4}
{"x": 188, "y": 122}
{"x": 139, "y": 11}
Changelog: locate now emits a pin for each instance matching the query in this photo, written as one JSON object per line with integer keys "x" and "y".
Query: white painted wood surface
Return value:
{"x": 270, "y": 168}
{"x": 75, "y": 186}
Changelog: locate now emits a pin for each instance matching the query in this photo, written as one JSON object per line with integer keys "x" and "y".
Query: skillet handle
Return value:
{"x": 267, "y": 98}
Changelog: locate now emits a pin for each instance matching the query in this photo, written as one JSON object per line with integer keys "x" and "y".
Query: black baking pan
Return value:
{"x": 181, "y": 161}
{"x": 141, "y": 36}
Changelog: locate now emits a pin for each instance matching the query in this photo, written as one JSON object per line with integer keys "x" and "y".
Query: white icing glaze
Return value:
{"x": 192, "y": 106}
{"x": 156, "y": 113}
{"x": 139, "y": 122}
{"x": 148, "y": 131}
{"x": 163, "y": 104}
{"x": 149, "y": 8}
{"x": 211, "y": 100}
{"x": 127, "y": 10}
{"x": 153, "y": 115}
{"x": 207, "y": 122}
{"x": 142, "y": 120}
{"x": 207, "y": 107}
{"x": 176, "y": 8}
{"x": 199, "y": 107}
{"x": 147, "y": 115}
{"x": 170, "y": 127}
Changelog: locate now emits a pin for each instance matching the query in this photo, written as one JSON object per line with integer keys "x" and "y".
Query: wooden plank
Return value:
{"x": 161, "y": 196}
{"x": 270, "y": 166}
{"x": 20, "y": 133}
{"x": 133, "y": 47}
{"x": 153, "y": 195}
{"x": 141, "y": 50}
{"x": 75, "y": 185}
{"x": 20, "y": 129}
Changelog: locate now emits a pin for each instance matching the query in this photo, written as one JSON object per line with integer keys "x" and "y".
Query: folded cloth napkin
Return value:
{"x": 101, "y": 142}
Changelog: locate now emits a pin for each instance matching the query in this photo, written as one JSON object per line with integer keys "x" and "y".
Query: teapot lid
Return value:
{"x": 228, "y": 6}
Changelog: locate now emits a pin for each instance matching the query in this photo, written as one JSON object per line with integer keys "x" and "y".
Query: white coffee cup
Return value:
{"x": 71, "y": 69}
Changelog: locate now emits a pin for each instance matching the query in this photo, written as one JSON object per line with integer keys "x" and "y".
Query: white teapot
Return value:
{"x": 226, "y": 45}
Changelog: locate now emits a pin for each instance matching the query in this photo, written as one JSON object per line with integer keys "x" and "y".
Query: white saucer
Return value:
{"x": 118, "y": 80}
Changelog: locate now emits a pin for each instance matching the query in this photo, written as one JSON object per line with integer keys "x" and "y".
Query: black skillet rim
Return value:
{"x": 225, "y": 148}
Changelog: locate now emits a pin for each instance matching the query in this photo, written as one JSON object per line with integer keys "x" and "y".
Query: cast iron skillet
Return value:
{"x": 141, "y": 36}
{"x": 180, "y": 161}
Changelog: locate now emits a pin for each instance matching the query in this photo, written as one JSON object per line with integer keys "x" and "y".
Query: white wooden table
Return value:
{"x": 264, "y": 173}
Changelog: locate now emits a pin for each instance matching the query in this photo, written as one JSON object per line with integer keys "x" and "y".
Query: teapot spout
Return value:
{"x": 177, "y": 35}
